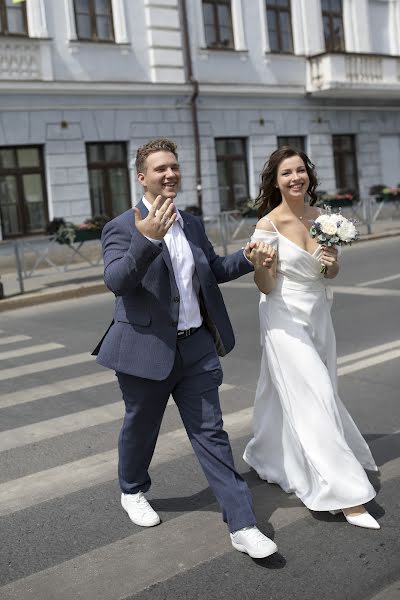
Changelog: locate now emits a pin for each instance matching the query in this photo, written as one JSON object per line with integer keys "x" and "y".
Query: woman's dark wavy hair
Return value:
{"x": 269, "y": 196}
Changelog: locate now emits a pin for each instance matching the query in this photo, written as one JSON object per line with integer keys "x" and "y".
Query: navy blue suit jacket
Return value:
{"x": 142, "y": 339}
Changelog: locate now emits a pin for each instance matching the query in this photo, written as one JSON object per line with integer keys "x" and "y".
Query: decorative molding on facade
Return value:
{"x": 87, "y": 88}
{"x": 342, "y": 74}
{"x": 36, "y": 15}
{"x": 165, "y": 42}
{"x": 25, "y": 60}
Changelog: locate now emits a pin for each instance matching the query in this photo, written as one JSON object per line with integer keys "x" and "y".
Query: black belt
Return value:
{"x": 184, "y": 333}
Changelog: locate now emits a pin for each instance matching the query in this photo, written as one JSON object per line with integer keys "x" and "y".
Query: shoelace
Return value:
{"x": 256, "y": 534}
{"x": 142, "y": 502}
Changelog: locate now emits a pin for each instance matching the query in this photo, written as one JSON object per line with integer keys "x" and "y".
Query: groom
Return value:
{"x": 169, "y": 321}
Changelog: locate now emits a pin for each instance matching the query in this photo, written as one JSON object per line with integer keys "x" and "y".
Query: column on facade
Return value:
{"x": 394, "y": 27}
{"x": 356, "y": 26}
{"x": 165, "y": 41}
{"x": 36, "y": 16}
{"x": 308, "y": 36}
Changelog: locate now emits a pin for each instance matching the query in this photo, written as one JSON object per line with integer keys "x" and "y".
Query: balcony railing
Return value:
{"x": 346, "y": 73}
{"x": 24, "y": 59}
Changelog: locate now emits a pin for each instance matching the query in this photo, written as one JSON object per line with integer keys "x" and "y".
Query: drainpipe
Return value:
{"x": 193, "y": 100}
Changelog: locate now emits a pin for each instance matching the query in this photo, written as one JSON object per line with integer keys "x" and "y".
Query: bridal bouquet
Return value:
{"x": 333, "y": 229}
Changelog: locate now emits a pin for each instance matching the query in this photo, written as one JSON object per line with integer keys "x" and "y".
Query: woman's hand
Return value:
{"x": 329, "y": 260}
{"x": 260, "y": 254}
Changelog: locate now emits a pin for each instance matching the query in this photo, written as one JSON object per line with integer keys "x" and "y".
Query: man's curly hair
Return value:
{"x": 158, "y": 145}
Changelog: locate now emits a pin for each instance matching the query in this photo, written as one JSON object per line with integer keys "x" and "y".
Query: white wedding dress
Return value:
{"x": 304, "y": 438}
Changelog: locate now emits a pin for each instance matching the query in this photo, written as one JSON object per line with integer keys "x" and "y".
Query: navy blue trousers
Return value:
{"x": 193, "y": 384}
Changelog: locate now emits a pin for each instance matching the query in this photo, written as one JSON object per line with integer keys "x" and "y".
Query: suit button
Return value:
{"x": 176, "y": 299}
{"x": 174, "y": 323}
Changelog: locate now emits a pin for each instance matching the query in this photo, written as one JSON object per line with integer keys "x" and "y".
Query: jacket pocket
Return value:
{"x": 143, "y": 319}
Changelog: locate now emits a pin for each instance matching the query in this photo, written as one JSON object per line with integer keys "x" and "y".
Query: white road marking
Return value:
{"x": 381, "y": 280}
{"x": 109, "y": 571}
{"x": 19, "y": 494}
{"x": 56, "y": 389}
{"x": 369, "y": 362}
{"x": 337, "y": 289}
{"x": 364, "y": 291}
{"x": 48, "y": 365}
{"x": 14, "y": 339}
{"x": 44, "y": 430}
{"x": 21, "y": 436}
{"x": 368, "y": 352}
{"x": 30, "y": 350}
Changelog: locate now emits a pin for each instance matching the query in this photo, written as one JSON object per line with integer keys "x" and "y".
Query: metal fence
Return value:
{"x": 34, "y": 255}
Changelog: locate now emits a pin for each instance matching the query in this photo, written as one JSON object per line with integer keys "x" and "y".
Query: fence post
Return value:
{"x": 19, "y": 267}
{"x": 367, "y": 213}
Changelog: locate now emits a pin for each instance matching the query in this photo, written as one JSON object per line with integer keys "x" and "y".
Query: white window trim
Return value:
{"x": 264, "y": 27}
{"x": 239, "y": 39}
{"x": 119, "y": 21}
{"x": 36, "y": 17}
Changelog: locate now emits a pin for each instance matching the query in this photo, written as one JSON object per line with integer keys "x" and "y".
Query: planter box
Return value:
{"x": 82, "y": 235}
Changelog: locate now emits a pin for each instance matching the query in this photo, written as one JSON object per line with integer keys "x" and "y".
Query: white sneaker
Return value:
{"x": 139, "y": 510}
{"x": 253, "y": 542}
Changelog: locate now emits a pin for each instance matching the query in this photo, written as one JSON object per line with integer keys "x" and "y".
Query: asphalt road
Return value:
{"x": 63, "y": 533}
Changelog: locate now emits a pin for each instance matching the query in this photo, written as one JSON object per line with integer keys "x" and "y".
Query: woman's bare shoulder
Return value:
{"x": 265, "y": 225}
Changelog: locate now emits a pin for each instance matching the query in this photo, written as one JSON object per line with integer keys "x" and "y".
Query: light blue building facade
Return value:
{"x": 84, "y": 83}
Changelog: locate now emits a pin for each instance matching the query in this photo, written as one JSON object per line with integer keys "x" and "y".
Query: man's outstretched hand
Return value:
{"x": 161, "y": 217}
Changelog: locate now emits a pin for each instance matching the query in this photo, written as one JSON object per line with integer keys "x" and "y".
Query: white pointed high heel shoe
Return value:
{"x": 364, "y": 520}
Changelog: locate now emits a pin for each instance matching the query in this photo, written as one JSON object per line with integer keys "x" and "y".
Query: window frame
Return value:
{"x": 218, "y": 44}
{"x": 277, "y": 10}
{"x": 342, "y": 157}
{"x": 4, "y": 20}
{"x": 331, "y": 14}
{"x": 229, "y": 159}
{"x": 284, "y": 140}
{"x": 18, "y": 172}
{"x": 93, "y": 25}
{"x": 105, "y": 166}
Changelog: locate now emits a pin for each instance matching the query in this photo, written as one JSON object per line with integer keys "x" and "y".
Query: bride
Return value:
{"x": 304, "y": 438}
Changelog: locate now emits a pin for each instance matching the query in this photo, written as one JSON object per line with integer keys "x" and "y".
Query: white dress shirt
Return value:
{"x": 183, "y": 266}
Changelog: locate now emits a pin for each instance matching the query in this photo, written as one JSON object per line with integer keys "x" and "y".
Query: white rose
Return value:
{"x": 329, "y": 227}
{"x": 323, "y": 219}
{"x": 347, "y": 231}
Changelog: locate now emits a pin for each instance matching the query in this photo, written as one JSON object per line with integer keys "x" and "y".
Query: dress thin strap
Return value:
{"x": 273, "y": 224}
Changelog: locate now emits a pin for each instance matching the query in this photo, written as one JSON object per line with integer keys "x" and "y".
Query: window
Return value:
{"x": 13, "y": 19}
{"x": 108, "y": 178}
{"x": 344, "y": 156}
{"x": 232, "y": 172}
{"x": 94, "y": 20}
{"x": 218, "y": 27}
{"x": 279, "y": 26}
{"x": 333, "y": 25}
{"x": 297, "y": 142}
{"x": 23, "y": 204}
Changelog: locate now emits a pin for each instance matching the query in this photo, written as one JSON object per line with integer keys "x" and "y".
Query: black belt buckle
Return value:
{"x": 186, "y": 332}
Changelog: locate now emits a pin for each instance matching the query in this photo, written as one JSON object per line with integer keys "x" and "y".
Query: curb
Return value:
{"x": 80, "y": 291}
{"x": 37, "y": 298}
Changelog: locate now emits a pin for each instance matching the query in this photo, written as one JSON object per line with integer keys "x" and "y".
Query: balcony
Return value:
{"x": 346, "y": 74}
{"x": 25, "y": 59}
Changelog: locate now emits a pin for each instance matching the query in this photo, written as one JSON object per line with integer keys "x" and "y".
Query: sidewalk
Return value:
{"x": 81, "y": 280}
